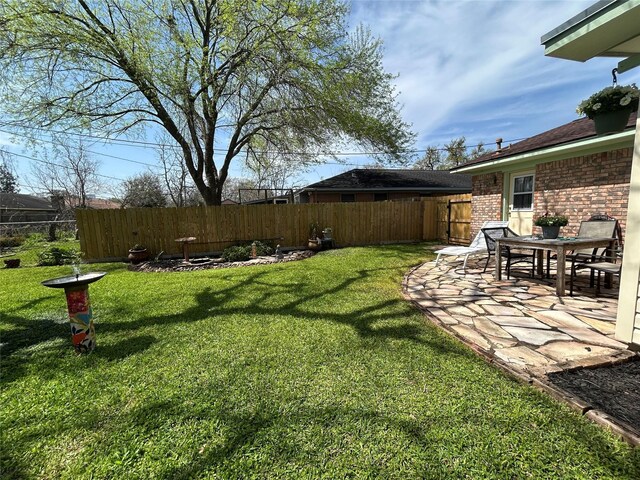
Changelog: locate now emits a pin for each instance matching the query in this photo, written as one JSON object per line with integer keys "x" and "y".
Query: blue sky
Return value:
{"x": 465, "y": 68}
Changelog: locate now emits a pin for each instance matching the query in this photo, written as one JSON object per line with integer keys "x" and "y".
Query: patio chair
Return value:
{"x": 494, "y": 233}
{"x": 476, "y": 247}
{"x": 596, "y": 226}
{"x": 610, "y": 263}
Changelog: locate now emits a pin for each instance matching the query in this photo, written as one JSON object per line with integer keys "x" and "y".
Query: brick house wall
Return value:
{"x": 583, "y": 186}
{"x": 576, "y": 187}
{"x": 486, "y": 199}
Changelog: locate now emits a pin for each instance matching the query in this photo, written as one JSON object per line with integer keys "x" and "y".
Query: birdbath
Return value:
{"x": 76, "y": 288}
{"x": 185, "y": 241}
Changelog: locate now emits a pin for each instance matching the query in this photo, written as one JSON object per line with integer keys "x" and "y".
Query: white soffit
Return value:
{"x": 606, "y": 29}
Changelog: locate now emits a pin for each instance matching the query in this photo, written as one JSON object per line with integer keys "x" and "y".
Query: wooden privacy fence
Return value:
{"x": 108, "y": 234}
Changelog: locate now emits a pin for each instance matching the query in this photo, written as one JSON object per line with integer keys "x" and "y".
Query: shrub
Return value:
{"x": 263, "y": 249}
{"x": 34, "y": 239}
{"x": 238, "y": 253}
{"x": 57, "y": 256}
{"x": 11, "y": 242}
{"x": 242, "y": 253}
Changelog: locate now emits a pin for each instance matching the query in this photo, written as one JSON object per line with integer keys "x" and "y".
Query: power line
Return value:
{"x": 92, "y": 151}
{"x": 60, "y": 166}
{"x": 140, "y": 144}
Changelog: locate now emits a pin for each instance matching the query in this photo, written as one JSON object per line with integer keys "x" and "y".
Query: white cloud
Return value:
{"x": 476, "y": 68}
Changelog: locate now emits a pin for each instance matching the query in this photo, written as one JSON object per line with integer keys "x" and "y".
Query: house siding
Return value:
{"x": 577, "y": 187}
{"x": 635, "y": 337}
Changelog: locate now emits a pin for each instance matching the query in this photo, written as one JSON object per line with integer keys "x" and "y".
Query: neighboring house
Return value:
{"x": 91, "y": 201}
{"x": 102, "y": 203}
{"x": 271, "y": 199}
{"x": 567, "y": 171}
{"x": 17, "y": 207}
{"x": 374, "y": 185}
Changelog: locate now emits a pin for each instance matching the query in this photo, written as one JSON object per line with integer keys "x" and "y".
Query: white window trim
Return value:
{"x": 533, "y": 189}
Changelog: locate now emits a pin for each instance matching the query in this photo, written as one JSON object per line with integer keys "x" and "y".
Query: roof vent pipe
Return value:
{"x": 498, "y": 144}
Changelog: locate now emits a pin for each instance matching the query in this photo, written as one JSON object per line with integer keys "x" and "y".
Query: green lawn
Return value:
{"x": 310, "y": 369}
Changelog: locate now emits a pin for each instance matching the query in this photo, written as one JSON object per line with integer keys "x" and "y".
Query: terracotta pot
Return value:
{"x": 315, "y": 245}
{"x": 137, "y": 256}
{"x": 12, "y": 263}
{"x": 611, "y": 122}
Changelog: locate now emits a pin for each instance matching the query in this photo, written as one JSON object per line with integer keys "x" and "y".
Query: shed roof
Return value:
{"x": 394, "y": 179}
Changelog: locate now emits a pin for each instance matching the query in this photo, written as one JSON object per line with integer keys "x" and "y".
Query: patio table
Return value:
{"x": 558, "y": 245}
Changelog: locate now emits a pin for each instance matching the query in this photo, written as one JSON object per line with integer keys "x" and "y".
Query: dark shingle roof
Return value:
{"x": 385, "y": 179}
{"x": 20, "y": 201}
{"x": 580, "y": 129}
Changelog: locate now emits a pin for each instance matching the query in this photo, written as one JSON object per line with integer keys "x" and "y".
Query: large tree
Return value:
{"x": 218, "y": 75}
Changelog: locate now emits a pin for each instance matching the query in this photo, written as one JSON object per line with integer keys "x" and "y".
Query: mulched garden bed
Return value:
{"x": 614, "y": 390}
{"x": 179, "y": 265}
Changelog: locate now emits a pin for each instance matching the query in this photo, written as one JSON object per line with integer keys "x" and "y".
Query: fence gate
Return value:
{"x": 459, "y": 221}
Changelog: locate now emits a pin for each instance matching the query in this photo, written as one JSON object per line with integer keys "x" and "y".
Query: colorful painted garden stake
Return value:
{"x": 83, "y": 333}
{"x": 76, "y": 288}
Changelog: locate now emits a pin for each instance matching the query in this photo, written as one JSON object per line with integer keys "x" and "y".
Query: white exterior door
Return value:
{"x": 521, "y": 203}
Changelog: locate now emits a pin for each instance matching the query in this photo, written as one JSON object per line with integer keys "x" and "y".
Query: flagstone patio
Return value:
{"x": 522, "y": 326}
{"x": 519, "y": 323}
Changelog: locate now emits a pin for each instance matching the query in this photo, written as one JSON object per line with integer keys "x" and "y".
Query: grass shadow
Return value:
{"x": 125, "y": 348}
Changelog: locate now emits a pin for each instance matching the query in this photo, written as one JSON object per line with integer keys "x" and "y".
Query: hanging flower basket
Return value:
{"x": 612, "y": 122}
{"x": 610, "y": 108}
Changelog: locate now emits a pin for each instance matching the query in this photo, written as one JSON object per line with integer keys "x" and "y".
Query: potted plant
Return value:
{"x": 610, "y": 107}
{"x": 551, "y": 224}
{"x": 138, "y": 253}
{"x": 315, "y": 242}
{"x": 12, "y": 263}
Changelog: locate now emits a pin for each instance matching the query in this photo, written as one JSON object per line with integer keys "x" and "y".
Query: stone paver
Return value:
{"x": 502, "y": 310}
{"x": 587, "y": 335}
{"x": 556, "y": 318}
{"x": 573, "y": 350}
{"x": 523, "y": 356}
{"x": 490, "y": 328}
{"x": 473, "y": 335}
{"x": 535, "y": 336}
{"x": 600, "y": 325}
{"x": 518, "y": 321}
{"x": 523, "y": 321}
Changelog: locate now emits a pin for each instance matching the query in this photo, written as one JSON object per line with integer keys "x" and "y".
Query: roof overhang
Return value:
{"x": 384, "y": 189}
{"x": 575, "y": 149}
{"x": 609, "y": 28}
